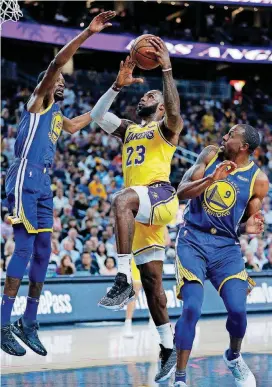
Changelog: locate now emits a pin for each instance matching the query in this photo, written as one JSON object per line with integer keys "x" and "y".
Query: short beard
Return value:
{"x": 58, "y": 98}
{"x": 147, "y": 111}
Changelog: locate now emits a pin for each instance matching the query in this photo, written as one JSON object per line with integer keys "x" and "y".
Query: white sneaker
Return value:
{"x": 128, "y": 334}
{"x": 239, "y": 369}
{"x": 180, "y": 384}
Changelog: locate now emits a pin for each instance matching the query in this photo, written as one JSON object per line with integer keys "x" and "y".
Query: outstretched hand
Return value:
{"x": 125, "y": 77}
{"x": 255, "y": 224}
{"x": 101, "y": 21}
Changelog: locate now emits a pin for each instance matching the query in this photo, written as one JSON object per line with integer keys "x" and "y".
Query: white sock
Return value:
{"x": 166, "y": 335}
{"x": 123, "y": 264}
{"x": 128, "y": 323}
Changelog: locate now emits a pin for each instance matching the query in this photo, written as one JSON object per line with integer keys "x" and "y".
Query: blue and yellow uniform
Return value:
{"x": 28, "y": 189}
{"x": 208, "y": 244}
{"x": 146, "y": 161}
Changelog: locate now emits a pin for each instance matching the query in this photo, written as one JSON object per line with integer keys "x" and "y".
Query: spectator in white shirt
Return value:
{"x": 260, "y": 258}
{"x": 73, "y": 236}
{"x": 60, "y": 201}
{"x": 68, "y": 248}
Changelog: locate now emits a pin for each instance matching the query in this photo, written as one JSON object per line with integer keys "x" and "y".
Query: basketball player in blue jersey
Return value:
{"x": 226, "y": 190}
{"x": 29, "y": 194}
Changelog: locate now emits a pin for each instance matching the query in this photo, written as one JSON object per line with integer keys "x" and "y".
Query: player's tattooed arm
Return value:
{"x": 172, "y": 124}
{"x": 121, "y": 131}
{"x": 46, "y": 86}
{"x": 193, "y": 182}
{"x": 253, "y": 220}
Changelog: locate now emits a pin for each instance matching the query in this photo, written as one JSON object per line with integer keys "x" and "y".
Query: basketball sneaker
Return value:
{"x": 119, "y": 295}
{"x": 168, "y": 363}
{"x": 180, "y": 384}
{"x": 28, "y": 334}
{"x": 8, "y": 342}
{"x": 242, "y": 375}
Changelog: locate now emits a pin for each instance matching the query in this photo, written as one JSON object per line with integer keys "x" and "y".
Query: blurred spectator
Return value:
{"x": 80, "y": 206}
{"x": 56, "y": 221}
{"x": 67, "y": 266}
{"x": 68, "y": 248}
{"x": 96, "y": 188}
{"x": 73, "y": 237}
{"x": 60, "y": 201}
{"x": 208, "y": 121}
{"x": 6, "y": 229}
{"x": 69, "y": 96}
{"x": 100, "y": 255}
{"x": 251, "y": 261}
{"x": 88, "y": 263}
{"x": 110, "y": 267}
{"x": 268, "y": 265}
{"x": 267, "y": 212}
{"x": 260, "y": 258}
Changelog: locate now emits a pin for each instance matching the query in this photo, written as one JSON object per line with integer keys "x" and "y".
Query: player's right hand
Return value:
{"x": 125, "y": 77}
{"x": 101, "y": 21}
{"x": 223, "y": 170}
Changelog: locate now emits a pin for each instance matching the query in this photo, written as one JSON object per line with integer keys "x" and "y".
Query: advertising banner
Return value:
{"x": 75, "y": 300}
{"x": 122, "y": 43}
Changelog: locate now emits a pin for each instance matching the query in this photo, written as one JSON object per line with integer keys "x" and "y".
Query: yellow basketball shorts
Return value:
{"x": 136, "y": 276}
{"x": 158, "y": 207}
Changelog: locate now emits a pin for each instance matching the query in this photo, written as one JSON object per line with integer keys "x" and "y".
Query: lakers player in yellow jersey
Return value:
{"x": 148, "y": 203}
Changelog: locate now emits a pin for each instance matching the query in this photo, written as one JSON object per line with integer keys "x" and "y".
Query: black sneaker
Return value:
{"x": 28, "y": 334}
{"x": 119, "y": 295}
{"x": 8, "y": 342}
{"x": 168, "y": 363}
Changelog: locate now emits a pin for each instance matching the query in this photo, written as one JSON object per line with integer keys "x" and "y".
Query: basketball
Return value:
{"x": 138, "y": 52}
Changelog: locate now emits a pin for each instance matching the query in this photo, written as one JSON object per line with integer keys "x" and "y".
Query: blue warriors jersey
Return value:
{"x": 220, "y": 208}
{"x": 38, "y": 134}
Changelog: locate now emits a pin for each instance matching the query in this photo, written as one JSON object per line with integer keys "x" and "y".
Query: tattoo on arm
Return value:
{"x": 121, "y": 131}
{"x": 173, "y": 120}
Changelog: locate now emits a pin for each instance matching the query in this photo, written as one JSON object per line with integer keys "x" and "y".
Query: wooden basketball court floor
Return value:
{"x": 96, "y": 355}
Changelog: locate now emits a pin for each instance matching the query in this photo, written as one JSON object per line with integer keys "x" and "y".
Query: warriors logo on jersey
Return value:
{"x": 219, "y": 198}
{"x": 56, "y": 126}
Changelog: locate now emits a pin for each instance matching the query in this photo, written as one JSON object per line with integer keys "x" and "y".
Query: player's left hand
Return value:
{"x": 161, "y": 52}
{"x": 101, "y": 21}
{"x": 255, "y": 224}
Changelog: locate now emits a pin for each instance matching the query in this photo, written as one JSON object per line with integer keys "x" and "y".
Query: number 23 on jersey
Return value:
{"x": 135, "y": 156}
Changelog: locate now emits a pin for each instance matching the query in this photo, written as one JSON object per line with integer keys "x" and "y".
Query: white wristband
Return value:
{"x": 164, "y": 70}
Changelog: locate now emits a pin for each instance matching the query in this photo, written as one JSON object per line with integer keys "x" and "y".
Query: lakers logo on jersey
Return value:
{"x": 56, "y": 127}
{"x": 219, "y": 198}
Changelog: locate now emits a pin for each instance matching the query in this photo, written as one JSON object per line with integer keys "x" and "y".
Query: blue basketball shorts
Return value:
{"x": 29, "y": 196}
{"x": 202, "y": 255}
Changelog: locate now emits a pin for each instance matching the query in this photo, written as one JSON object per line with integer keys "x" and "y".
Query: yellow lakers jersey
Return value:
{"x": 146, "y": 155}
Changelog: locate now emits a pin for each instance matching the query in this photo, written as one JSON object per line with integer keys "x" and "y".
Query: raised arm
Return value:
{"x": 109, "y": 122}
{"x": 52, "y": 73}
{"x": 194, "y": 182}
{"x": 172, "y": 124}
